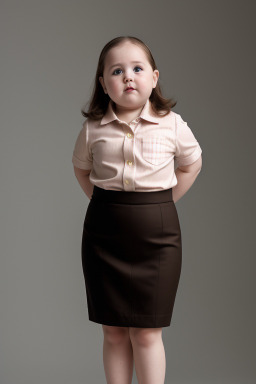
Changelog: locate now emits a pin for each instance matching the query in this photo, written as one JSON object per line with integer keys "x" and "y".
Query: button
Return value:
{"x": 129, "y": 162}
{"x": 129, "y": 135}
{"x": 126, "y": 181}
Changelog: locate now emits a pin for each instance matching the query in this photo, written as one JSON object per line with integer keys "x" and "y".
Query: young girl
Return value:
{"x": 131, "y": 245}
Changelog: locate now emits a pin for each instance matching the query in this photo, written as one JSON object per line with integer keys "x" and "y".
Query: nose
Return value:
{"x": 128, "y": 77}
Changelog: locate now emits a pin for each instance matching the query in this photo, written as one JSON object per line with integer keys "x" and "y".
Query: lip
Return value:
{"x": 129, "y": 89}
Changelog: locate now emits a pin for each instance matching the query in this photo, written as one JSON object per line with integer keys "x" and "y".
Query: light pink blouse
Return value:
{"x": 138, "y": 156}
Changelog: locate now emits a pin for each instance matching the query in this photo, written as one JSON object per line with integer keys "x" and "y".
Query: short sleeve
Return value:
{"x": 82, "y": 156}
{"x": 188, "y": 149}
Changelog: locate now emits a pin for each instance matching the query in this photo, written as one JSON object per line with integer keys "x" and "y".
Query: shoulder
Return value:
{"x": 88, "y": 127}
{"x": 91, "y": 123}
{"x": 169, "y": 116}
{"x": 168, "y": 120}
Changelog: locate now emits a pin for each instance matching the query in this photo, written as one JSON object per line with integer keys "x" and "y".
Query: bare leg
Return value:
{"x": 117, "y": 355}
{"x": 149, "y": 355}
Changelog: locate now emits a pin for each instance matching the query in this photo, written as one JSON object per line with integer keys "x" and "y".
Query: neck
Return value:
{"x": 127, "y": 115}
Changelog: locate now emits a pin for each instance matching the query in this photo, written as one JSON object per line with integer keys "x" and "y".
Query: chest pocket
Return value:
{"x": 156, "y": 149}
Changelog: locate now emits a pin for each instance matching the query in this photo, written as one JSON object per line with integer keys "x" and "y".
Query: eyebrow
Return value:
{"x": 138, "y": 62}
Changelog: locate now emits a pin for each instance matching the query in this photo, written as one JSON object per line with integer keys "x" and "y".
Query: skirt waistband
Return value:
{"x": 131, "y": 197}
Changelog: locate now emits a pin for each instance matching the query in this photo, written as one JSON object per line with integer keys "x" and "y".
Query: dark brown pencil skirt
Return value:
{"x": 131, "y": 257}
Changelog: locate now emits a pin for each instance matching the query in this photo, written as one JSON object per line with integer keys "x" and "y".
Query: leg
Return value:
{"x": 117, "y": 355}
{"x": 149, "y": 355}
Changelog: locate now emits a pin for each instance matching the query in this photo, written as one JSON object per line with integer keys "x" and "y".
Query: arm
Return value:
{"x": 186, "y": 176}
{"x": 82, "y": 176}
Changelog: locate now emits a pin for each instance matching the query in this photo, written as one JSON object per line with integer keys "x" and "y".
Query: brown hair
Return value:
{"x": 99, "y": 100}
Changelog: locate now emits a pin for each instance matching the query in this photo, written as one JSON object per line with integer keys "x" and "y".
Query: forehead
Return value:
{"x": 125, "y": 53}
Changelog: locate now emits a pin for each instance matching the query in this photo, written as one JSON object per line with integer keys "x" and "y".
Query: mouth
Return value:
{"x": 129, "y": 89}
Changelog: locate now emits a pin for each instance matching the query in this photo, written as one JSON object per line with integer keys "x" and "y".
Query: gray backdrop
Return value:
{"x": 205, "y": 52}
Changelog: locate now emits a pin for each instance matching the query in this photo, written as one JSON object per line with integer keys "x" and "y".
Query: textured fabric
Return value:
{"x": 138, "y": 156}
{"x": 131, "y": 258}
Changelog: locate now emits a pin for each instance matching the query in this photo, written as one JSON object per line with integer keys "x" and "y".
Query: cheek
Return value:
{"x": 145, "y": 83}
{"x": 114, "y": 85}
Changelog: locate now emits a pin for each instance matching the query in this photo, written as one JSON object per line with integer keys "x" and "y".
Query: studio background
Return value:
{"x": 205, "y": 53}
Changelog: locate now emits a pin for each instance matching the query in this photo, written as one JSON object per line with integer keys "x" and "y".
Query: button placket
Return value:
{"x": 129, "y": 168}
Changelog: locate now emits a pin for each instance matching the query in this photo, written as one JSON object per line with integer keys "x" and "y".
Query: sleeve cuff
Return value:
{"x": 183, "y": 161}
{"x": 81, "y": 164}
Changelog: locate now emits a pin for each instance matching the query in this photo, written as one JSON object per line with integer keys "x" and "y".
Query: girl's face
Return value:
{"x": 127, "y": 66}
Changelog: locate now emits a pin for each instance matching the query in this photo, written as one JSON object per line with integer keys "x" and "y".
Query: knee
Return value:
{"x": 115, "y": 335}
{"x": 145, "y": 336}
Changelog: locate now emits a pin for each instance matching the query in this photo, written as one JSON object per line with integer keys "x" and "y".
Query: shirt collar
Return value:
{"x": 146, "y": 114}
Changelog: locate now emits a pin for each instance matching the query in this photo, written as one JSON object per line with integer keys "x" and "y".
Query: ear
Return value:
{"x": 101, "y": 80}
{"x": 155, "y": 77}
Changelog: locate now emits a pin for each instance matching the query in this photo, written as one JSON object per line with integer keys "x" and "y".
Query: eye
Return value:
{"x": 116, "y": 70}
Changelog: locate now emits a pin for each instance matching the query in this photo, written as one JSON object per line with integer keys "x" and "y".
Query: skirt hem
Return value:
{"x": 139, "y": 321}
